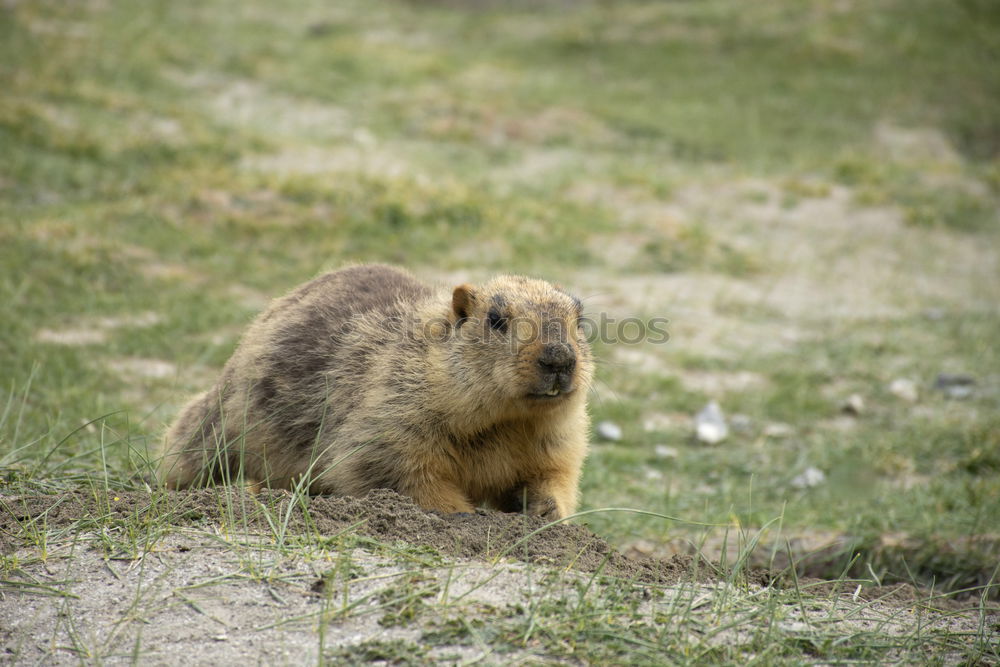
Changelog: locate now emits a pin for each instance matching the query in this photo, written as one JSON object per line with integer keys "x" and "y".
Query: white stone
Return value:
{"x": 905, "y": 389}
{"x": 710, "y": 424}
{"x": 779, "y": 430}
{"x": 657, "y": 422}
{"x": 854, "y": 405}
{"x": 809, "y": 478}
{"x": 609, "y": 431}
{"x": 666, "y": 452}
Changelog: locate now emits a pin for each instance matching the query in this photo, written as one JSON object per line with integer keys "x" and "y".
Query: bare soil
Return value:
{"x": 388, "y": 517}
{"x": 224, "y": 575}
{"x": 382, "y": 514}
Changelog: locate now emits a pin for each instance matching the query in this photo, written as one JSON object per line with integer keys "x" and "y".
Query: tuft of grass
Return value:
{"x": 367, "y": 652}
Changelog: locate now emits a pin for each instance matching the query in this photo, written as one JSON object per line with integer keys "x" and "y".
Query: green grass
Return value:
{"x": 929, "y": 474}
{"x": 168, "y": 168}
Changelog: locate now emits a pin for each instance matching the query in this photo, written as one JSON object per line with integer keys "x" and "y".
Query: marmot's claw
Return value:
{"x": 545, "y": 508}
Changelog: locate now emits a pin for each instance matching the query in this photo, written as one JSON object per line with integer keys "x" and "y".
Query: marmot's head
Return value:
{"x": 524, "y": 337}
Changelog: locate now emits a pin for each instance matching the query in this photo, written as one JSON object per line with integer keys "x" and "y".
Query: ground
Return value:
{"x": 808, "y": 193}
{"x": 283, "y": 578}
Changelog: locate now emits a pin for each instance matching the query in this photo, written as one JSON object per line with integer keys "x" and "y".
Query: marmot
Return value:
{"x": 365, "y": 378}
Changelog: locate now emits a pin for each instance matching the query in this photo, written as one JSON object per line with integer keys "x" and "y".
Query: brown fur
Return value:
{"x": 365, "y": 378}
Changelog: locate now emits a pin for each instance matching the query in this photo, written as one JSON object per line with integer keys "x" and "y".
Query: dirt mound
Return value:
{"x": 382, "y": 514}
{"x": 389, "y": 517}
{"x": 136, "y": 586}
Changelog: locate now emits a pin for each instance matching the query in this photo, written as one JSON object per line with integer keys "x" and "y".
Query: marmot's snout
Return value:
{"x": 557, "y": 358}
{"x": 556, "y": 366}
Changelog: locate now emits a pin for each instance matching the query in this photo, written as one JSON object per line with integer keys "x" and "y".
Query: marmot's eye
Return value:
{"x": 497, "y": 321}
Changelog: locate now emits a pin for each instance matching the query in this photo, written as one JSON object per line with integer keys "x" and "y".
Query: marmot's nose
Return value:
{"x": 557, "y": 358}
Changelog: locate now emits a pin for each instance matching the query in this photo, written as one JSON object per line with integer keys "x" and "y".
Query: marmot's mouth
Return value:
{"x": 553, "y": 393}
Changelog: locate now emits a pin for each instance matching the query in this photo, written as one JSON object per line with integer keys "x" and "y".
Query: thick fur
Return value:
{"x": 365, "y": 378}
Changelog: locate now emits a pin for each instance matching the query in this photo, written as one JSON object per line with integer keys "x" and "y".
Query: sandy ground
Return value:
{"x": 210, "y": 577}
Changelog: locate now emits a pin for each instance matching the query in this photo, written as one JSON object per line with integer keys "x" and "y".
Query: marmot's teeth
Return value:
{"x": 552, "y": 392}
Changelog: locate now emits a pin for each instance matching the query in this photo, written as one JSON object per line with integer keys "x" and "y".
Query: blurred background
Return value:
{"x": 807, "y": 191}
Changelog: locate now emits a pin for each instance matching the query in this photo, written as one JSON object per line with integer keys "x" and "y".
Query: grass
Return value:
{"x": 807, "y": 191}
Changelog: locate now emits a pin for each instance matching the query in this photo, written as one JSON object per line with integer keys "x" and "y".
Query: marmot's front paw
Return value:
{"x": 544, "y": 507}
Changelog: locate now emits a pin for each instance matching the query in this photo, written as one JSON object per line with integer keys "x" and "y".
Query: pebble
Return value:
{"x": 657, "y": 422}
{"x": 666, "y": 452}
{"x": 954, "y": 385}
{"x": 609, "y": 431}
{"x": 809, "y": 478}
{"x": 710, "y": 424}
{"x": 854, "y": 405}
{"x": 779, "y": 430}
{"x": 904, "y": 389}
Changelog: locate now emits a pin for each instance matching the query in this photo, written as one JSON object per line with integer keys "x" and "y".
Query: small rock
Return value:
{"x": 609, "y": 431}
{"x": 740, "y": 423}
{"x": 363, "y": 136}
{"x": 854, "y": 405}
{"x": 710, "y": 424}
{"x": 955, "y": 385}
{"x": 904, "y": 389}
{"x": 657, "y": 422}
{"x": 666, "y": 452}
{"x": 779, "y": 430}
{"x": 809, "y": 478}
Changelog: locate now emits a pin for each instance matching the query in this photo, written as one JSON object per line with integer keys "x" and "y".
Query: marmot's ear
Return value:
{"x": 462, "y": 300}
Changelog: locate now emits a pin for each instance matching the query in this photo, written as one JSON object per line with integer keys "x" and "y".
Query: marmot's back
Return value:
{"x": 350, "y": 292}
{"x": 307, "y": 348}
